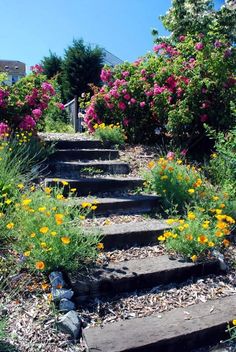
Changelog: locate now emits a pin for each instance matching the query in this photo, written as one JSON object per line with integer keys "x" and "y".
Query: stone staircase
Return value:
{"x": 75, "y": 161}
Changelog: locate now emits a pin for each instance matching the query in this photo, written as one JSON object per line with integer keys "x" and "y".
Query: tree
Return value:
{"x": 199, "y": 16}
{"x": 82, "y": 65}
{"x": 52, "y": 65}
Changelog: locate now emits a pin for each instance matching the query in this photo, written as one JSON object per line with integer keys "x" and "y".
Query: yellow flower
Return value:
{"x": 191, "y": 191}
{"x": 32, "y": 188}
{"x": 60, "y": 196}
{"x": 8, "y": 201}
{"x": 65, "y": 240}
{"x": 44, "y": 286}
{"x": 234, "y": 322}
{"x": 53, "y": 233}
{"x": 151, "y": 164}
{"x": 202, "y": 239}
{"x": 27, "y": 253}
{"x": 1, "y": 215}
{"x": 43, "y": 245}
{"x": 20, "y": 185}
{"x": 43, "y": 229}
{"x": 33, "y": 234}
{"x": 42, "y": 209}
{"x": 26, "y": 201}
{"x": 65, "y": 183}
{"x": 161, "y": 238}
{"x": 219, "y": 234}
{"x": 165, "y": 177}
{"x": 218, "y": 211}
{"x": 194, "y": 258}
{"x": 93, "y": 207}
{"x": 100, "y": 246}
{"x": 211, "y": 244}
{"x": 39, "y": 265}
{"x": 86, "y": 205}
{"x": 73, "y": 190}
{"x": 215, "y": 198}
{"x": 10, "y": 226}
{"x": 230, "y": 220}
{"x": 171, "y": 221}
{"x": 205, "y": 225}
{"x": 82, "y": 217}
{"x": 47, "y": 190}
{"x": 213, "y": 155}
{"x": 222, "y": 205}
{"x": 179, "y": 162}
{"x": 191, "y": 216}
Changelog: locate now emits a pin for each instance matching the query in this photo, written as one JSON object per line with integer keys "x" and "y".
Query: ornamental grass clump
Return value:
{"x": 47, "y": 234}
{"x": 198, "y": 233}
{"x": 113, "y": 134}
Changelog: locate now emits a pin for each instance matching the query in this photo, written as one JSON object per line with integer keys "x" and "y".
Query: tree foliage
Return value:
{"x": 82, "y": 65}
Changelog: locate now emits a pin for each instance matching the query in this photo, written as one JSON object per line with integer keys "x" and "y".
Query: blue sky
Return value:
{"x": 29, "y": 28}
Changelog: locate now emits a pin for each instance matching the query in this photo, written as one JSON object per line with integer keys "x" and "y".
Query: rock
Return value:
{"x": 71, "y": 324}
{"x": 221, "y": 260}
{"x": 58, "y": 294}
{"x": 56, "y": 279}
{"x": 66, "y": 305}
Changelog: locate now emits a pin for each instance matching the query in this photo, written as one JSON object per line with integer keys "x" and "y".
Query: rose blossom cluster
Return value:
{"x": 30, "y": 107}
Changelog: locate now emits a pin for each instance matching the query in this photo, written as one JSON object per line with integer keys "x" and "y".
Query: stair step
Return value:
{"x": 76, "y": 168}
{"x": 85, "y": 186}
{"x": 136, "y": 274}
{"x": 176, "y": 330}
{"x": 78, "y": 144}
{"x": 132, "y": 234}
{"x": 128, "y": 204}
{"x": 84, "y": 154}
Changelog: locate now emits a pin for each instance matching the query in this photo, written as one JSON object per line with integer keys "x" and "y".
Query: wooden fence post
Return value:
{"x": 76, "y": 114}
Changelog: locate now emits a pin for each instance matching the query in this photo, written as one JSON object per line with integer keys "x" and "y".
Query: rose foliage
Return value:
{"x": 173, "y": 91}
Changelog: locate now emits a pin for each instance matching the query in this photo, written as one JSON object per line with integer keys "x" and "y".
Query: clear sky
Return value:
{"x": 30, "y": 28}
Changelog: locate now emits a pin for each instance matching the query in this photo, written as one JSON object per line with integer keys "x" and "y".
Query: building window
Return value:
{"x": 15, "y": 79}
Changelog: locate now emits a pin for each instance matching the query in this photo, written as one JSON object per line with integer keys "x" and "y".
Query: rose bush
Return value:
{"x": 175, "y": 90}
{"x": 24, "y": 105}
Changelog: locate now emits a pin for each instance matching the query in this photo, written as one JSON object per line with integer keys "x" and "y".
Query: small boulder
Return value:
{"x": 58, "y": 294}
{"x": 71, "y": 324}
{"x": 66, "y": 305}
{"x": 56, "y": 279}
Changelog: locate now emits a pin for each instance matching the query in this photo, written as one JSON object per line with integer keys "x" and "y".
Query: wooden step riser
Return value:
{"x": 131, "y": 239}
{"x": 70, "y": 155}
{"x": 95, "y": 186}
{"x": 62, "y": 170}
{"x": 82, "y": 144}
{"x": 128, "y": 282}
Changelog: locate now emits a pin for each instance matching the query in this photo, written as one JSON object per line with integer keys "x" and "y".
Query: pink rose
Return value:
{"x": 142, "y": 104}
{"x": 4, "y": 129}
{"x": 121, "y": 105}
{"x": 170, "y": 155}
{"x": 199, "y": 46}
{"x": 37, "y": 113}
{"x": 27, "y": 123}
{"x": 203, "y": 117}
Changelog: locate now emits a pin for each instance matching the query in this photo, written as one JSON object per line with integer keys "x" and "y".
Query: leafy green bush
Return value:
{"x": 222, "y": 165}
{"x": 113, "y": 134}
{"x": 46, "y": 234}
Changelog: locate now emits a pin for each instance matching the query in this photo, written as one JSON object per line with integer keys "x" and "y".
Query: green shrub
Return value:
{"x": 113, "y": 134}
{"x": 48, "y": 232}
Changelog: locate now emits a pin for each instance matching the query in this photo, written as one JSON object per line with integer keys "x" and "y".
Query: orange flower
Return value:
{"x": 100, "y": 245}
{"x": 43, "y": 229}
{"x": 45, "y": 286}
{"x": 39, "y": 265}
{"x": 189, "y": 237}
{"x": 226, "y": 243}
{"x": 202, "y": 239}
{"x": 151, "y": 164}
{"x": 65, "y": 240}
{"x": 59, "y": 218}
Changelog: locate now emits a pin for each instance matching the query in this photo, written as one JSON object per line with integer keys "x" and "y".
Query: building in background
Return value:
{"x": 15, "y": 70}
{"x": 110, "y": 59}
